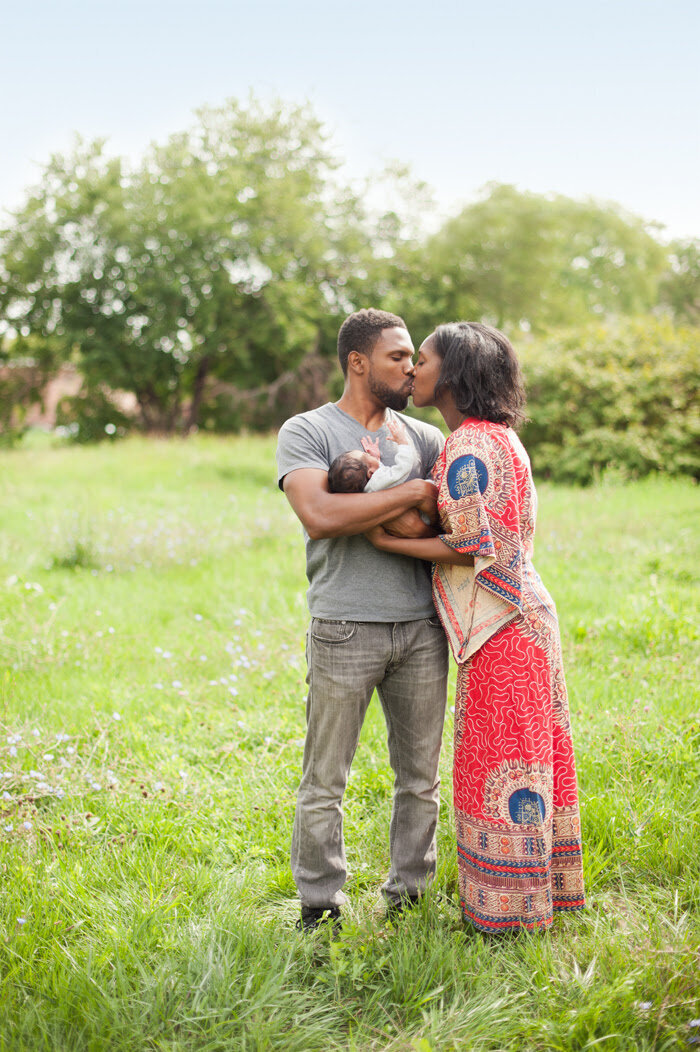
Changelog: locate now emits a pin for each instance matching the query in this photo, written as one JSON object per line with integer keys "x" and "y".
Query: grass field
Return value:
{"x": 152, "y": 692}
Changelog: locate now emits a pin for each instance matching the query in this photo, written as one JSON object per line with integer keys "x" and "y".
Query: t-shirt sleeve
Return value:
{"x": 299, "y": 445}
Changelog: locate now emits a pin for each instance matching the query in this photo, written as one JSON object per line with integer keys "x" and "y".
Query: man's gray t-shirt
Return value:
{"x": 350, "y": 579}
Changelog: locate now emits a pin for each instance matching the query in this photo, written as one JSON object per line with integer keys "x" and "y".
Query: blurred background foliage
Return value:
{"x": 202, "y": 288}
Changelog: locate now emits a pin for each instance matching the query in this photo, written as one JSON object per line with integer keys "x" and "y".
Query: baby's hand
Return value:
{"x": 371, "y": 446}
{"x": 397, "y": 432}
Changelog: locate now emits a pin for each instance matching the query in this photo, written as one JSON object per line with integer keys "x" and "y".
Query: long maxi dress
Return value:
{"x": 514, "y": 781}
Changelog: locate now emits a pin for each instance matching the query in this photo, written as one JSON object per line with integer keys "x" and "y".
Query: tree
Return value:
{"x": 217, "y": 256}
{"x": 523, "y": 259}
{"x": 680, "y": 288}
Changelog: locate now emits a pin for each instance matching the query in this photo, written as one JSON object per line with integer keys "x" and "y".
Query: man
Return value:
{"x": 373, "y": 622}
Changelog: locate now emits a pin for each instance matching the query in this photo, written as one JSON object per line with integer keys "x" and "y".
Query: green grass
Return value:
{"x": 152, "y": 691}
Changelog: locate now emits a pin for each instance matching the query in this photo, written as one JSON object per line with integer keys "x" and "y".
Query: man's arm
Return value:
{"x": 325, "y": 514}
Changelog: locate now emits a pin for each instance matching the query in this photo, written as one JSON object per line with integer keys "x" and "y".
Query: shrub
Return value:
{"x": 618, "y": 396}
{"x": 20, "y": 390}
{"x": 91, "y": 417}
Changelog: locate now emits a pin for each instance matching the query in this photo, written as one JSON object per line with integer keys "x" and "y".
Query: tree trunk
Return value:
{"x": 200, "y": 379}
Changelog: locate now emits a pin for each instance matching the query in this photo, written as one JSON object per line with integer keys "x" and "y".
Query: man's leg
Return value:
{"x": 346, "y": 660}
{"x": 413, "y": 695}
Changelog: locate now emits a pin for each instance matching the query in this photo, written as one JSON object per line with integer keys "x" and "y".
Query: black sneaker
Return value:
{"x": 395, "y": 908}
{"x": 312, "y": 917}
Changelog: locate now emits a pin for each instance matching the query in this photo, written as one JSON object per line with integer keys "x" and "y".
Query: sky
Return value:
{"x": 599, "y": 100}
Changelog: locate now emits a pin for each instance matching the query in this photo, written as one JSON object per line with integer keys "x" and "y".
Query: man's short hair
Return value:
{"x": 361, "y": 330}
{"x": 347, "y": 474}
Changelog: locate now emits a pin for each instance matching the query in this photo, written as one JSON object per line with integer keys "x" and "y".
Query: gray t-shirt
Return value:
{"x": 350, "y": 579}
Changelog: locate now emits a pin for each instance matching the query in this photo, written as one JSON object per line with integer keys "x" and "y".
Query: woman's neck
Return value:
{"x": 450, "y": 413}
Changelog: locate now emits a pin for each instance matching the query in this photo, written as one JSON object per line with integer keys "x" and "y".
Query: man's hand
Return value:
{"x": 428, "y": 504}
{"x": 409, "y": 524}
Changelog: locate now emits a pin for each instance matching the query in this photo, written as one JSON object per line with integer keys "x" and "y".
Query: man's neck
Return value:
{"x": 367, "y": 411}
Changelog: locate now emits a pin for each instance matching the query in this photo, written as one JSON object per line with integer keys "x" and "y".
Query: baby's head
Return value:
{"x": 351, "y": 471}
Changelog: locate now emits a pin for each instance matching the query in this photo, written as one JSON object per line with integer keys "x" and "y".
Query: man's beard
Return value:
{"x": 392, "y": 399}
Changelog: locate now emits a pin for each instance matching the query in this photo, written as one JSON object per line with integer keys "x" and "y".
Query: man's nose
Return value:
{"x": 411, "y": 369}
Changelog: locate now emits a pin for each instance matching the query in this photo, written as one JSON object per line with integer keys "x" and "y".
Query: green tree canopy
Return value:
{"x": 523, "y": 259}
{"x": 218, "y": 255}
{"x": 680, "y": 288}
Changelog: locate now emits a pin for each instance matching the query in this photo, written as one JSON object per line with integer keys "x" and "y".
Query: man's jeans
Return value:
{"x": 407, "y": 662}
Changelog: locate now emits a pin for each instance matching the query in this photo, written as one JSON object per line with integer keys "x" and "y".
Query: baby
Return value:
{"x": 361, "y": 470}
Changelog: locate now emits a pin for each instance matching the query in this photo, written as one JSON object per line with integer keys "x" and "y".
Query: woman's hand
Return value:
{"x": 377, "y": 536}
{"x": 409, "y": 524}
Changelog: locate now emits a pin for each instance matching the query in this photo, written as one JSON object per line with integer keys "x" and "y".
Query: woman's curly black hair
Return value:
{"x": 480, "y": 369}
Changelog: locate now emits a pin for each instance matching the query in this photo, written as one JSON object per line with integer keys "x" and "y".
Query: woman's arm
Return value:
{"x": 432, "y": 549}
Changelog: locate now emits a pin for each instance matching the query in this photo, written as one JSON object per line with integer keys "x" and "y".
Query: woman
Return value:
{"x": 515, "y": 795}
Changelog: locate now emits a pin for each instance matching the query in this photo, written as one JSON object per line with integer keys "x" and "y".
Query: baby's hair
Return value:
{"x": 347, "y": 474}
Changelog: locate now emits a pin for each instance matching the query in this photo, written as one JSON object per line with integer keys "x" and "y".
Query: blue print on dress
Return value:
{"x": 467, "y": 476}
{"x": 526, "y": 807}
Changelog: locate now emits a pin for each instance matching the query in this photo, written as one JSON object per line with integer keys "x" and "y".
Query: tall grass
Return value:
{"x": 152, "y": 717}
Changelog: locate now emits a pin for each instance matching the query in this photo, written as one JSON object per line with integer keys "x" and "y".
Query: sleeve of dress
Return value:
{"x": 478, "y": 507}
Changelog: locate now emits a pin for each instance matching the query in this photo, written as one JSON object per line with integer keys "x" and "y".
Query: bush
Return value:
{"x": 620, "y": 396}
{"x": 20, "y": 390}
{"x": 91, "y": 417}
{"x": 229, "y": 409}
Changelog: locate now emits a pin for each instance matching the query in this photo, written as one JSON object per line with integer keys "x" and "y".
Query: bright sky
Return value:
{"x": 600, "y": 98}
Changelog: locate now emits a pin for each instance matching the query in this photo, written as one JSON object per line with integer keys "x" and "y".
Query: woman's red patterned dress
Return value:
{"x": 515, "y": 794}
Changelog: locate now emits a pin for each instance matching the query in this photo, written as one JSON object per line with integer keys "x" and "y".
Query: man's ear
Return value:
{"x": 357, "y": 363}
